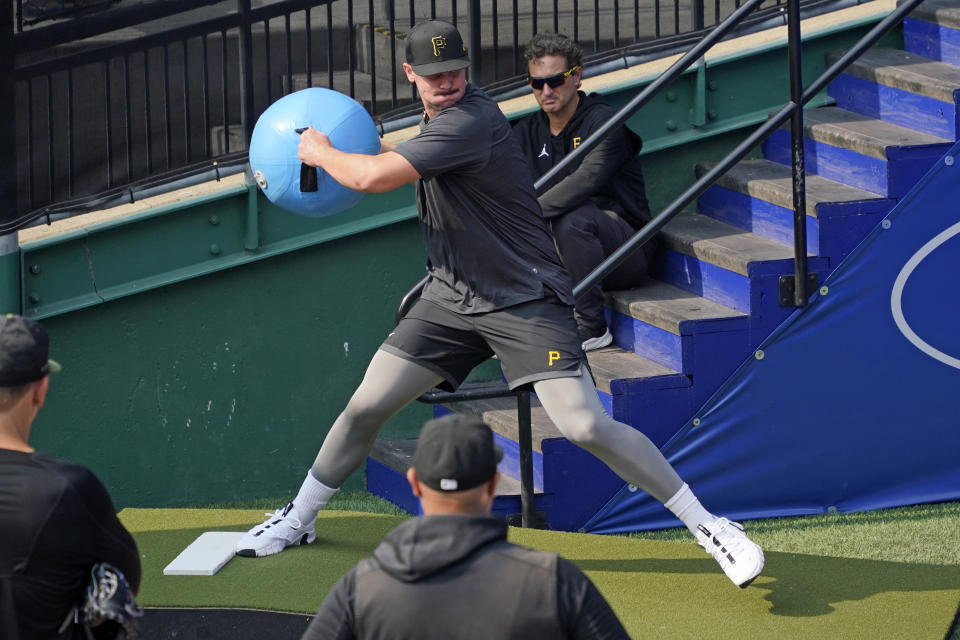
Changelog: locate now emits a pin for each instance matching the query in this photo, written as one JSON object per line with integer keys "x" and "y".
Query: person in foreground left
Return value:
{"x": 451, "y": 573}
{"x": 57, "y": 520}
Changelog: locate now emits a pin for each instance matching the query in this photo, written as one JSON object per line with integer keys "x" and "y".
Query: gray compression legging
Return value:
{"x": 573, "y": 405}
{"x": 391, "y": 383}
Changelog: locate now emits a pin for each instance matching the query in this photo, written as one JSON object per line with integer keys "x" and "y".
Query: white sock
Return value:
{"x": 312, "y": 497}
{"x": 685, "y": 506}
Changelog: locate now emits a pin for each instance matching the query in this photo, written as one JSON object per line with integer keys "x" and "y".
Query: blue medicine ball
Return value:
{"x": 273, "y": 149}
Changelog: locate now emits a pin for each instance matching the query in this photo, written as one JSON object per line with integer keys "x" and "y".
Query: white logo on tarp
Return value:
{"x": 896, "y": 297}
{"x": 543, "y": 152}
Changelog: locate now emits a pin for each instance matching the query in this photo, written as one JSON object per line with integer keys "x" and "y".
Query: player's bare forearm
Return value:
{"x": 367, "y": 173}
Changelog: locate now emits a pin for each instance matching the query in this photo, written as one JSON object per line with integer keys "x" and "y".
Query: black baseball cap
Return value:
{"x": 435, "y": 46}
{"x": 24, "y": 351}
{"x": 456, "y": 453}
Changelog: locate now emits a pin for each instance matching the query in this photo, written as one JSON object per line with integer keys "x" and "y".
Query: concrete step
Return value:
{"x": 877, "y": 156}
{"x": 757, "y": 195}
{"x": 900, "y": 87}
{"x": 932, "y": 30}
{"x": 727, "y": 265}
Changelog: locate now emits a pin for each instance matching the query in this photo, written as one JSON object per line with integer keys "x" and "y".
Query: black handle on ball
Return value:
{"x": 308, "y": 178}
{"x": 308, "y": 174}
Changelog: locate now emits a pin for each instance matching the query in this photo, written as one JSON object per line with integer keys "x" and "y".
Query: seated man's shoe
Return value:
{"x": 280, "y": 530}
{"x": 739, "y": 557}
{"x": 598, "y": 342}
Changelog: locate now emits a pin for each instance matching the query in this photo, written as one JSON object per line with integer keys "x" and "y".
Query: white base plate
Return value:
{"x": 206, "y": 555}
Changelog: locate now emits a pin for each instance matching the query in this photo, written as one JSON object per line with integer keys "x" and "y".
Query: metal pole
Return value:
{"x": 9, "y": 245}
{"x": 794, "y": 55}
{"x": 251, "y": 239}
{"x": 9, "y": 273}
{"x": 785, "y": 112}
{"x": 697, "y": 15}
{"x": 246, "y": 73}
{"x": 474, "y": 45}
{"x": 525, "y": 443}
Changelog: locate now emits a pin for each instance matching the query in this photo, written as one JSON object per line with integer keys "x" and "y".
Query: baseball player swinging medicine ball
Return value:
{"x": 496, "y": 286}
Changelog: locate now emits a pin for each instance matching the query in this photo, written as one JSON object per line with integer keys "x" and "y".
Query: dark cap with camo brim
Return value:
{"x": 24, "y": 351}
{"x": 435, "y": 46}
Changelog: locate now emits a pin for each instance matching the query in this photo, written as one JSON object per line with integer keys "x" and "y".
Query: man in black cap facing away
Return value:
{"x": 56, "y": 518}
{"x": 451, "y": 573}
{"x": 496, "y": 287}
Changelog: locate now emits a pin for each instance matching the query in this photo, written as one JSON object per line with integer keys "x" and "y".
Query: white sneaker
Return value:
{"x": 280, "y": 530}
{"x": 739, "y": 557}
{"x": 599, "y": 342}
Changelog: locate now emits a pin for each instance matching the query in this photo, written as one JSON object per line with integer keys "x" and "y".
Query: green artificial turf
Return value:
{"x": 658, "y": 587}
{"x": 928, "y": 533}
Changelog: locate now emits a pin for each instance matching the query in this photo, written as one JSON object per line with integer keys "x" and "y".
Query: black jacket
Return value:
{"x": 456, "y": 576}
{"x": 610, "y": 174}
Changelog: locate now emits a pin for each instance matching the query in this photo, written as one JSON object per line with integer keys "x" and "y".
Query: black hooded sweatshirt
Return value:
{"x": 610, "y": 174}
{"x": 456, "y": 576}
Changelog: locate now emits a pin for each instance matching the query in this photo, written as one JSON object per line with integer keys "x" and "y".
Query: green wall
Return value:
{"x": 223, "y": 386}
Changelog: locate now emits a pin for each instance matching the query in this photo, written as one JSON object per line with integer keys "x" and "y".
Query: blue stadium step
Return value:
{"x": 860, "y": 151}
{"x": 574, "y": 483}
{"x": 632, "y": 389}
{"x": 756, "y": 195}
{"x": 640, "y": 392}
{"x": 728, "y": 266}
{"x": 386, "y": 477}
{"x": 903, "y": 88}
{"x": 571, "y": 483}
{"x": 680, "y": 330}
{"x": 932, "y": 30}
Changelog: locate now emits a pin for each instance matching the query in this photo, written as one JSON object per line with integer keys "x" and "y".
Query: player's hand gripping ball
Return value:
{"x": 304, "y": 190}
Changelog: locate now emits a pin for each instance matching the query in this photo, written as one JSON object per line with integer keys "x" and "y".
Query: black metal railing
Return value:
{"x": 120, "y": 91}
{"x": 792, "y": 110}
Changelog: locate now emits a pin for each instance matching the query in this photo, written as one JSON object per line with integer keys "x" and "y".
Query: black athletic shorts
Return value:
{"x": 535, "y": 340}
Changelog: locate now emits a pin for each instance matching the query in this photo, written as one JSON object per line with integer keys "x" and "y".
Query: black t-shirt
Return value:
{"x": 488, "y": 246}
{"x": 56, "y": 521}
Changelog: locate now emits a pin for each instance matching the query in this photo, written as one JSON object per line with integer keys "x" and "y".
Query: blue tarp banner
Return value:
{"x": 854, "y": 402}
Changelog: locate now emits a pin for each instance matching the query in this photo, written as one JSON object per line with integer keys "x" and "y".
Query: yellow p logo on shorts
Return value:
{"x": 552, "y": 356}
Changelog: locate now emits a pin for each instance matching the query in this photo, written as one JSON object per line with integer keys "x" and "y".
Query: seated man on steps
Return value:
{"x": 451, "y": 573}
{"x": 496, "y": 286}
{"x": 599, "y": 202}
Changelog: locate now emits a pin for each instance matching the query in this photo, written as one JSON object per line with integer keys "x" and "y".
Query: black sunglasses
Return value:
{"x": 552, "y": 81}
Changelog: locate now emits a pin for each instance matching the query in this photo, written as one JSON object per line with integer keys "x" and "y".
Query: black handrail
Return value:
{"x": 101, "y": 56}
{"x": 799, "y": 181}
{"x": 775, "y": 121}
{"x": 793, "y": 109}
